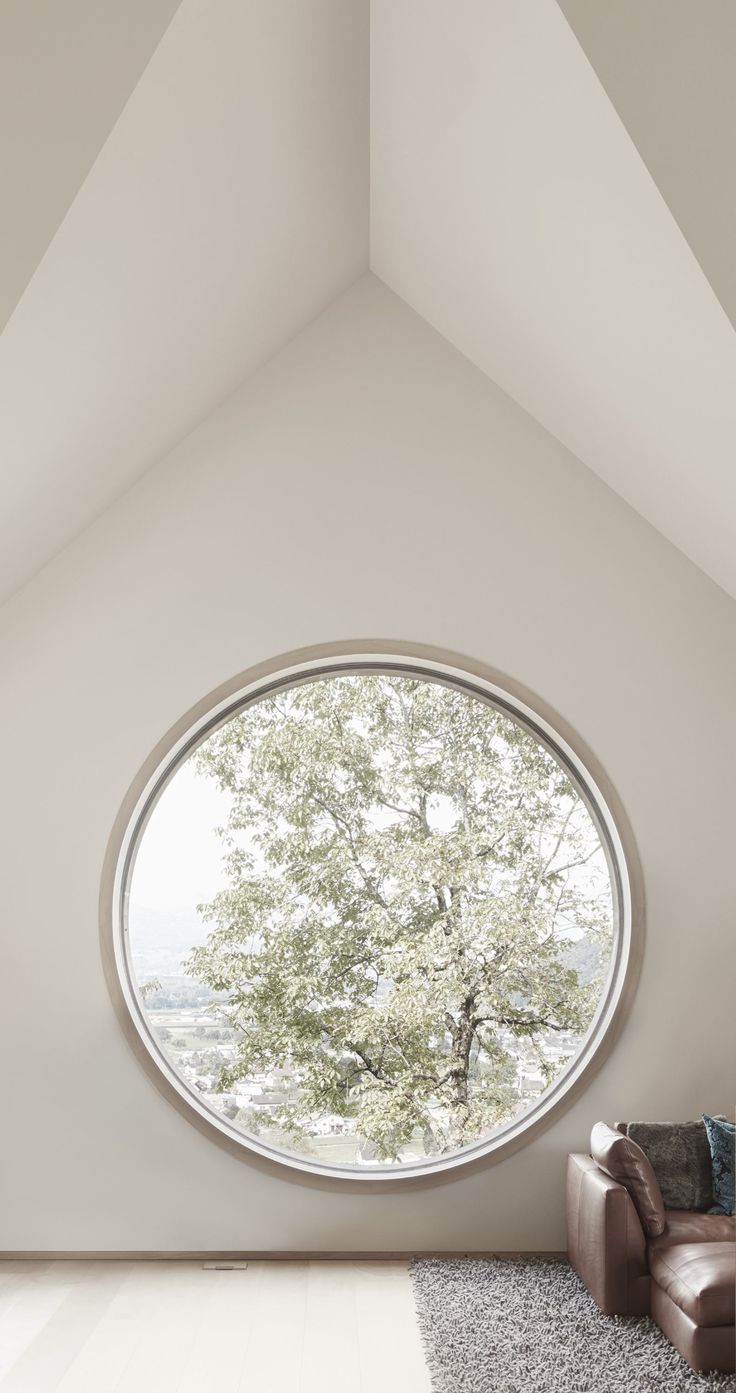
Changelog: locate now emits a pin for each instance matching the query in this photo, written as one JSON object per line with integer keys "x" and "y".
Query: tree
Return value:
{"x": 406, "y": 867}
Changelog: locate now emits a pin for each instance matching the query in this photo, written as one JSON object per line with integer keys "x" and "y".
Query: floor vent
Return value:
{"x": 224, "y": 1266}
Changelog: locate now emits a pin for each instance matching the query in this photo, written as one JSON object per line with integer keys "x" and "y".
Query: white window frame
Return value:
{"x": 412, "y": 660}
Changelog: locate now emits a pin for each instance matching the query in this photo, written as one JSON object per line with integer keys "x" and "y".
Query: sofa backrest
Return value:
{"x": 625, "y": 1162}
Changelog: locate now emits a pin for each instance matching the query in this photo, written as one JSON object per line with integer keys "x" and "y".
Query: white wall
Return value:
{"x": 368, "y": 482}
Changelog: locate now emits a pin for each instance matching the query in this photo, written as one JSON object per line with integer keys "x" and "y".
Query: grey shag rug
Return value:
{"x": 529, "y": 1326}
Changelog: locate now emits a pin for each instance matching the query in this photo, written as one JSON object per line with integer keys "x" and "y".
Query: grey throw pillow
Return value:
{"x": 680, "y": 1158}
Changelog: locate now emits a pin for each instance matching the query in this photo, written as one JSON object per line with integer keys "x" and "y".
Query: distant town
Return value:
{"x": 194, "y": 1034}
{"x": 193, "y": 1031}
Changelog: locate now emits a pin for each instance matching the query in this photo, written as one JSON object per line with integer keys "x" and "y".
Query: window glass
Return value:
{"x": 370, "y": 920}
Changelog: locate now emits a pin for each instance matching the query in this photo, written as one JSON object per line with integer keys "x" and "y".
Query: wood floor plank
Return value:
{"x": 52, "y": 1322}
{"x": 331, "y": 1351}
{"x": 390, "y": 1345}
{"x": 275, "y": 1350}
{"x": 224, "y": 1331}
{"x": 166, "y": 1327}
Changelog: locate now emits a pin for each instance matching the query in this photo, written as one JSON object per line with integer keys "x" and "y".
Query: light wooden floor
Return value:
{"x": 278, "y": 1327}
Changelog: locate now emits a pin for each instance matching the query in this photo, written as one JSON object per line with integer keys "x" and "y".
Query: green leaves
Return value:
{"x": 407, "y": 871}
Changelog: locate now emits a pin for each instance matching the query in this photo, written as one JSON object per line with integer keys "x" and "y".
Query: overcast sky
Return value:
{"x": 179, "y": 856}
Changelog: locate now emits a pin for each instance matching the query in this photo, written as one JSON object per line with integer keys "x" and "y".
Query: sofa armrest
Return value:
{"x": 605, "y": 1239}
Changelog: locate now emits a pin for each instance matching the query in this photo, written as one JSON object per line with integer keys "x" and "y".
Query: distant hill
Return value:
{"x": 160, "y": 939}
{"x": 584, "y": 957}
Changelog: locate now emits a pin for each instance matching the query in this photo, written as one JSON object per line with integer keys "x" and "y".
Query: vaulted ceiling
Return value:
{"x": 226, "y": 208}
{"x": 186, "y": 185}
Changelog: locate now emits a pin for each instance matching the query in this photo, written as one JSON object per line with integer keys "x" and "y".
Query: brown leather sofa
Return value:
{"x": 638, "y": 1258}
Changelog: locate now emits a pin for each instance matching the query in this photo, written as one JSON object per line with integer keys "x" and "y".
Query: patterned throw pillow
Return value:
{"x": 722, "y": 1141}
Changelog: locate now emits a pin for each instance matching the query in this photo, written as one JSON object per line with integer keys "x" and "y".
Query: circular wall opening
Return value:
{"x": 371, "y": 915}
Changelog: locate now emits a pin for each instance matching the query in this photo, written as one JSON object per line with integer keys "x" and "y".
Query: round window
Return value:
{"x": 371, "y": 916}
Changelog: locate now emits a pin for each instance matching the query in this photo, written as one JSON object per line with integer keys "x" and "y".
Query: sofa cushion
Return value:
{"x": 708, "y": 1348}
{"x": 699, "y": 1277}
{"x": 685, "y": 1226}
{"x": 680, "y": 1157}
{"x": 625, "y": 1162}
